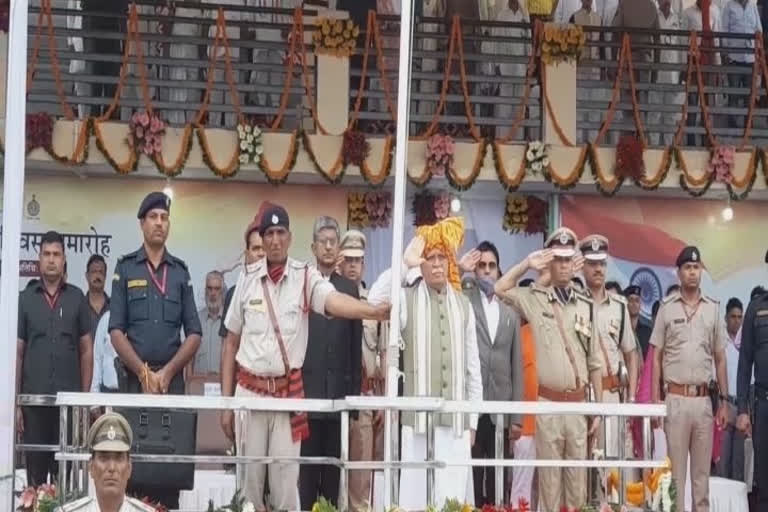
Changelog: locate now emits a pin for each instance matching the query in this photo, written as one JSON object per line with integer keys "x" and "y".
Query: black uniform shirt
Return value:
{"x": 152, "y": 320}
{"x": 51, "y": 336}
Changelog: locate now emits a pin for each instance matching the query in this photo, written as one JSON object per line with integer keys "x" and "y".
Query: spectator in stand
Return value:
{"x": 98, "y": 300}
{"x": 588, "y": 73}
{"x": 668, "y": 20}
{"x": 740, "y": 17}
{"x": 567, "y": 8}
{"x": 692, "y": 20}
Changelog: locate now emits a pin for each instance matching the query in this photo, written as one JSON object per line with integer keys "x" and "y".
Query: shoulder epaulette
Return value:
{"x": 669, "y": 298}
{"x": 712, "y": 299}
{"x": 582, "y": 296}
{"x": 140, "y": 505}
{"x": 179, "y": 261}
{"x": 76, "y": 505}
{"x": 617, "y": 297}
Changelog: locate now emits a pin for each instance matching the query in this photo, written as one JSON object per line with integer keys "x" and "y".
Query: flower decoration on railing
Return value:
{"x": 39, "y": 128}
{"x": 442, "y": 205}
{"x": 537, "y": 158}
{"x": 453, "y": 505}
{"x": 357, "y": 212}
{"x": 440, "y": 149}
{"x": 145, "y": 133}
{"x": 721, "y": 163}
{"x": 237, "y": 504}
{"x": 629, "y": 158}
{"x": 562, "y": 43}
{"x": 378, "y": 205}
{"x": 525, "y": 214}
{"x": 251, "y": 148}
{"x": 323, "y": 505}
{"x": 40, "y": 499}
{"x": 335, "y": 37}
{"x": 522, "y": 506}
{"x": 355, "y": 148}
{"x": 423, "y": 208}
{"x": 663, "y": 489}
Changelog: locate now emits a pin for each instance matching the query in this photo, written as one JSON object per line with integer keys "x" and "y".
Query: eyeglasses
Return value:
{"x": 327, "y": 242}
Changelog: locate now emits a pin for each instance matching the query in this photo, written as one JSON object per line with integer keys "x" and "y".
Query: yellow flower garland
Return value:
{"x": 335, "y": 37}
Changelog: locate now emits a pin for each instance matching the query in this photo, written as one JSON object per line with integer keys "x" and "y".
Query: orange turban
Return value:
{"x": 447, "y": 236}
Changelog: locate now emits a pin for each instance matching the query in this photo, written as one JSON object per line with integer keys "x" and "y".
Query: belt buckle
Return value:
{"x": 271, "y": 385}
{"x": 691, "y": 390}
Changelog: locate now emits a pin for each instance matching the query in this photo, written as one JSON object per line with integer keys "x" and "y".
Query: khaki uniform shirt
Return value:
{"x": 540, "y": 307}
{"x": 688, "y": 345}
{"x": 91, "y": 505}
{"x": 613, "y": 343}
{"x": 249, "y": 317}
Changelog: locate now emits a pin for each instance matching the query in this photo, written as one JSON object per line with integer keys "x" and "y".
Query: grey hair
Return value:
{"x": 218, "y": 274}
{"x": 324, "y": 222}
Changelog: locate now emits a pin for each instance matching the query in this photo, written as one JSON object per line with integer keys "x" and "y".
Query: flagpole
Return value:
{"x": 398, "y": 219}
{"x": 13, "y": 203}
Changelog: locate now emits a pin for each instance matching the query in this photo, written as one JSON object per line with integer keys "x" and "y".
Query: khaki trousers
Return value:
{"x": 269, "y": 434}
{"x": 561, "y": 437}
{"x": 363, "y": 446}
{"x": 688, "y": 427}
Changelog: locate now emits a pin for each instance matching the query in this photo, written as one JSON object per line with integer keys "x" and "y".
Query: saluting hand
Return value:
{"x": 539, "y": 260}
{"x": 469, "y": 261}
{"x": 414, "y": 253}
{"x": 578, "y": 262}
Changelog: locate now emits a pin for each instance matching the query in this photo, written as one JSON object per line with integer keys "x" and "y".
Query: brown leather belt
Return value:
{"x": 269, "y": 386}
{"x": 611, "y": 383}
{"x": 578, "y": 395}
{"x": 692, "y": 390}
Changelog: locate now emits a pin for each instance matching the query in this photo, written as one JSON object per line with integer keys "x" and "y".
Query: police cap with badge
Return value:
{"x": 563, "y": 243}
{"x": 110, "y": 433}
{"x": 633, "y": 289}
{"x": 690, "y": 254}
{"x": 154, "y": 200}
{"x": 352, "y": 244}
{"x": 594, "y": 248}
{"x": 275, "y": 216}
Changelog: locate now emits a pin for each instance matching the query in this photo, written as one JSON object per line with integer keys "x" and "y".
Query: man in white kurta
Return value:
{"x": 440, "y": 360}
{"x": 668, "y": 20}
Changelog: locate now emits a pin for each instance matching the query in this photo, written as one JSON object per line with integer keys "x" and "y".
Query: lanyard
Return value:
{"x": 52, "y": 299}
{"x": 160, "y": 285}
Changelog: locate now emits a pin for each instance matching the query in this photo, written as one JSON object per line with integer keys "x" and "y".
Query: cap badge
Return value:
{"x": 111, "y": 434}
{"x": 595, "y": 244}
{"x": 694, "y": 256}
{"x": 564, "y": 238}
{"x": 275, "y": 220}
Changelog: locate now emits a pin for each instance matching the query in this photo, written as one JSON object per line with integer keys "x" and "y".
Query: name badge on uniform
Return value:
{"x": 547, "y": 314}
{"x": 583, "y": 327}
{"x": 137, "y": 283}
{"x": 678, "y": 321}
{"x": 256, "y": 305}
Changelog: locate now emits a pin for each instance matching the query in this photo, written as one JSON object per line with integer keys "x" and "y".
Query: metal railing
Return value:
{"x": 75, "y": 451}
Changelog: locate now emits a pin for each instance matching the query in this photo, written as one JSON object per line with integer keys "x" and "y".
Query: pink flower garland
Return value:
{"x": 440, "y": 150}
{"x": 145, "y": 133}
{"x": 721, "y": 163}
{"x": 379, "y": 208}
{"x": 442, "y": 205}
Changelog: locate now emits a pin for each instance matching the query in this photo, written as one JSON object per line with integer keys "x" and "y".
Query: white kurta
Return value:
{"x": 667, "y": 77}
{"x": 454, "y": 482}
{"x": 566, "y": 8}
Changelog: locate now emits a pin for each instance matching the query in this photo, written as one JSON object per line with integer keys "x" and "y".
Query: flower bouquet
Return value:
{"x": 629, "y": 158}
{"x": 562, "y": 43}
{"x": 355, "y": 148}
{"x": 39, "y": 129}
{"x": 357, "y": 210}
{"x": 721, "y": 163}
{"x": 536, "y": 157}
{"x": 250, "y": 146}
{"x": 41, "y": 499}
{"x": 145, "y": 133}
{"x": 378, "y": 206}
{"x": 440, "y": 149}
{"x": 335, "y": 37}
{"x": 238, "y": 504}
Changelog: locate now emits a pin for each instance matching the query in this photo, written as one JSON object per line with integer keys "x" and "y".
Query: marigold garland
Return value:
{"x": 178, "y": 165}
{"x": 335, "y": 37}
{"x": 510, "y": 183}
{"x": 129, "y": 166}
{"x": 333, "y": 175}
{"x": 378, "y": 178}
{"x": 280, "y": 176}
{"x": 572, "y": 178}
{"x": 232, "y": 165}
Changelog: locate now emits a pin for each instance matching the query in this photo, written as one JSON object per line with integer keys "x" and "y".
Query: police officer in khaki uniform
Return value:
{"x": 689, "y": 336}
{"x": 568, "y": 358}
{"x": 366, "y": 435}
{"x": 109, "y": 440}
{"x": 263, "y": 353}
{"x": 615, "y": 340}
